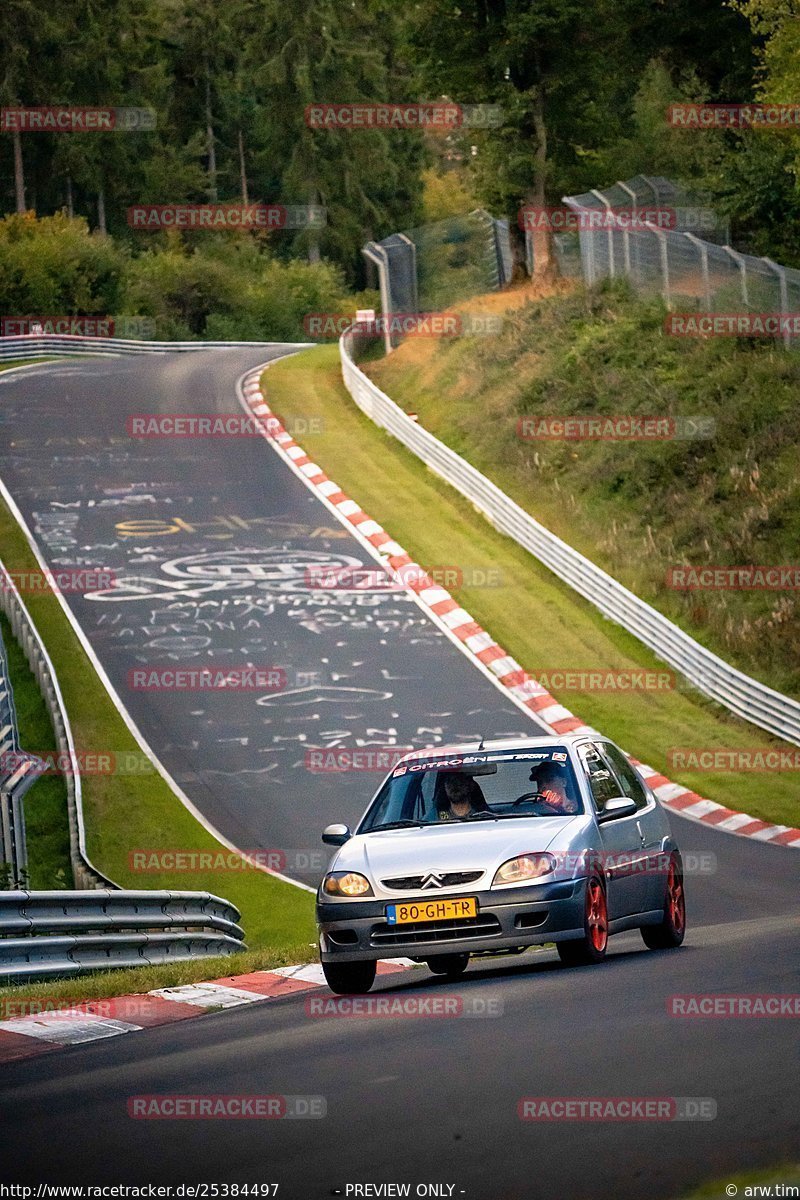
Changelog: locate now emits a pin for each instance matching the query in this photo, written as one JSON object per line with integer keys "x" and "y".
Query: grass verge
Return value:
{"x": 532, "y": 614}
{"x": 639, "y": 507}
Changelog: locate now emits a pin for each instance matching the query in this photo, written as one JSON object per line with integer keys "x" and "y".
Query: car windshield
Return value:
{"x": 476, "y": 787}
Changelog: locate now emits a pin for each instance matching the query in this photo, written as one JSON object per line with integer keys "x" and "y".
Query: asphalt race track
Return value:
{"x": 212, "y": 543}
{"x": 409, "y": 1100}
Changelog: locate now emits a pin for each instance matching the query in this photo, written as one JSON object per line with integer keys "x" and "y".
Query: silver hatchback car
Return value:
{"x": 493, "y": 847}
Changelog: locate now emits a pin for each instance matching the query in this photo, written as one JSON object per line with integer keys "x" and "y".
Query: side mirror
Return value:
{"x": 336, "y": 835}
{"x": 620, "y": 806}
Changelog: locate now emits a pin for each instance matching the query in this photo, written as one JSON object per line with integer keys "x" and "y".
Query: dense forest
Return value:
{"x": 582, "y": 90}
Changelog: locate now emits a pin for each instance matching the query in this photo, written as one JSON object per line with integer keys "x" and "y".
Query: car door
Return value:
{"x": 648, "y": 823}
{"x": 621, "y": 842}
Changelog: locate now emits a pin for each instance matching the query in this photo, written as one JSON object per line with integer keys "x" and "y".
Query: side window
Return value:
{"x": 601, "y": 780}
{"x": 628, "y": 779}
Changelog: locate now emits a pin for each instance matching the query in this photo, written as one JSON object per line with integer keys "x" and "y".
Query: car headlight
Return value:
{"x": 523, "y": 868}
{"x": 346, "y": 883}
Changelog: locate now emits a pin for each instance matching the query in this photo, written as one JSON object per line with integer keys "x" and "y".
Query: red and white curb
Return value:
{"x": 473, "y": 640}
{"x": 94, "y": 1020}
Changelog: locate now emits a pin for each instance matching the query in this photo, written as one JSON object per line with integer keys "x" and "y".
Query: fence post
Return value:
{"x": 781, "y": 273}
{"x": 605, "y": 202}
{"x": 739, "y": 260}
{"x": 626, "y": 232}
{"x": 414, "y": 281}
{"x": 662, "y": 245}
{"x": 376, "y": 253}
{"x": 702, "y": 247}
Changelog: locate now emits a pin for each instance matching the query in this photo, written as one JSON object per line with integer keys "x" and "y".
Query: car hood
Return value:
{"x": 482, "y": 845}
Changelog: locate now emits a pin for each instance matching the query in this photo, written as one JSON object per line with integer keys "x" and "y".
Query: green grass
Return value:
{"x": 46, "y": 824}
{"x": 102, "y": 984}
{"x": 533, "y": 615}
{"x": 33, "y": 362}
{"x": 636, "y": 508}
{"x": 747, "y": 1183}
{"x": 125, "y": 812}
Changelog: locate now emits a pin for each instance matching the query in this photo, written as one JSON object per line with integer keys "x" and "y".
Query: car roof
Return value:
{"x": 489, "y": 746}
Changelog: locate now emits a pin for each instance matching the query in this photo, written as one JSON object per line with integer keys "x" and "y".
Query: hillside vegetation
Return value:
{"x": 637, "y": 508}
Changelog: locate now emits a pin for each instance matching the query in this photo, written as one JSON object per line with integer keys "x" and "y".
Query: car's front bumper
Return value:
{"x": 350, "y": 930}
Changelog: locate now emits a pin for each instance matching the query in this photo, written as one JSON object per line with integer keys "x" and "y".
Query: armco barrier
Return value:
{"x": 85, "y": 874}
{"x": 18, "y": 771}
{"x": 44, "y": 934}
{"x": 44, "y": 345}
{"x": 746, "y": 697}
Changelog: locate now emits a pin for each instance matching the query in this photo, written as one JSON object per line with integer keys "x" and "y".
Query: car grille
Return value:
{"x": 413, "y": 883}
{"x": 456, "y": 930}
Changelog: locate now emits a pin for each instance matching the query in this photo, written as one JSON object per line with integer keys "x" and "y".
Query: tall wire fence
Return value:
{"x": 689, "y": 262}
{"x": 435, "y": 266}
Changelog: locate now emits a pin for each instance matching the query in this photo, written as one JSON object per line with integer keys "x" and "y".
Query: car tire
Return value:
{"x": 350, "y": 978}
{"x": 669, "y": 934}
{"x": 451, "y": 965}
{"x": 591, "y": 948}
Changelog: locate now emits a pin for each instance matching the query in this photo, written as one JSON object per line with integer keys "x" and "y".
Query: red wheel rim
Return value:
{"x": 676, "y": 904}
{"x": 596, "y": 915}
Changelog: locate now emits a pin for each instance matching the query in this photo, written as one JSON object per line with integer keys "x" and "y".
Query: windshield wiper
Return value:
{"x": 495, "y": 816}
{"x": 397, "y": 825}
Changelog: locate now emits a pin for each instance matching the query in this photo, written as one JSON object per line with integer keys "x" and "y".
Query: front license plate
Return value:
{"x": 431, "y": 910}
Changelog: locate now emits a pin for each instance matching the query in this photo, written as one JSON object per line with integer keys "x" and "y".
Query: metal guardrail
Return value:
{"x": 38, "y": 345}
{"x": 739, "y": 693}
{"x": 45, "y": 934}
{"x": 84, "y": 872}
{"x": 18, "y": 771}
